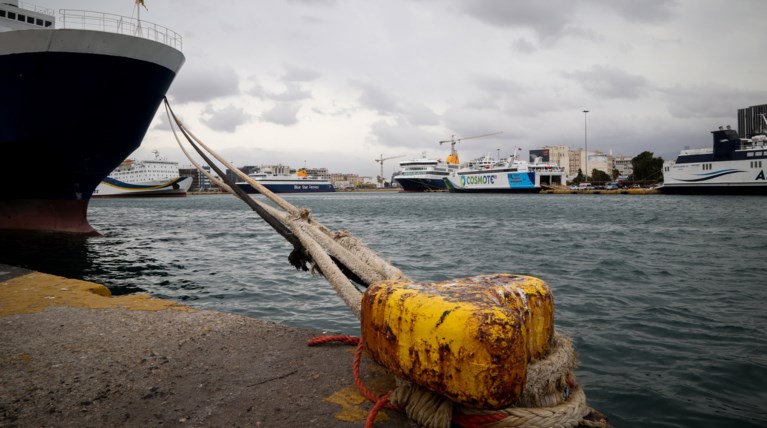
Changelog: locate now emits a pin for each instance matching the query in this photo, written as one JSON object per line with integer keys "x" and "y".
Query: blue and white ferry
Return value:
{"x": 509, "y": 175}
{"x": 144, "y": 178}
{"x": 733, "y": 165}
{"x": 298, "y": 182}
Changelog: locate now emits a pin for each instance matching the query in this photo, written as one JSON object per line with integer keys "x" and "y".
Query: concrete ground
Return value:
{"x": 71, "y": 355}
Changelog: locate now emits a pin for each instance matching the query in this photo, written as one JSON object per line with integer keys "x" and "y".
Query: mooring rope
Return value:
{"x": 336, "y": 255}
{"x": 428, "y": 409}
{"x": 550, "y": 397}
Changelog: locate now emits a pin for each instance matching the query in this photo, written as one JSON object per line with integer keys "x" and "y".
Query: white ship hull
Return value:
{"x": 299, "y": 182}
{"x": 423, "y": 175}
{"x": 733, "y": 166}
{"x": 156, "y": 177}
{"x": 509, "y": 176}
{"x": 114, "y": 188}
{"x": 735, "y": 177}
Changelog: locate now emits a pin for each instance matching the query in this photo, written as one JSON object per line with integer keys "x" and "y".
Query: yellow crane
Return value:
{"x": 453, "y": 157}
{"x": 381, "y": 160}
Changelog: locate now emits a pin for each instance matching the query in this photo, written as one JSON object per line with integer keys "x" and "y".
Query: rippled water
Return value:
{"x": 664, "y": 295}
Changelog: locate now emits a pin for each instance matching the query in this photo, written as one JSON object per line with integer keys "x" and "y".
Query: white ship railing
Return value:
{"x": 35, "y": 8}
{"x": 107, "y": 22}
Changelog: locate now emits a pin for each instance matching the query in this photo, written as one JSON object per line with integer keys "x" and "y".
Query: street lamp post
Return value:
{"x": 586, "y": 141}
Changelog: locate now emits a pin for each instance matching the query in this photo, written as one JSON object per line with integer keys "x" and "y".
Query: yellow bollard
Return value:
{"x": 468, "y": 339}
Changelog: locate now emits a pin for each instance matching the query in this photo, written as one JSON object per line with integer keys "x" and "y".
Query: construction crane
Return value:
{"x": 381, "y": 160}
{"x": 453, "y": 157}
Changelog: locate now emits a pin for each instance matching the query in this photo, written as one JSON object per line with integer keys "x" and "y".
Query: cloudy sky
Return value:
{"x": 340, "y": 83}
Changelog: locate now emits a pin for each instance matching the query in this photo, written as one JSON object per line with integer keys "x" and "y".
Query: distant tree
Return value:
{"x": 616, "y": 174}
{"x": 647, "y": 167}
{"x": 579, "y": 178}
{"x": 599, "y": 176}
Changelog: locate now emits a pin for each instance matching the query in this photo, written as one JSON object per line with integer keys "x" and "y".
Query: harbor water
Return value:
{"x": 664, "y": 296}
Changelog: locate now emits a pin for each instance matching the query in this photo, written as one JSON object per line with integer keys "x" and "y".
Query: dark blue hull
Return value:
{"x": 421, "y": 184}
{"x": 290, "y": 188}
{"x": 66, "y": 121}
{"x": 756, "y": 190}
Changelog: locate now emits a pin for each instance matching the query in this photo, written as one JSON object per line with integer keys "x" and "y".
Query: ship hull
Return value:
{"x": 733, "y": 166}
{"x": 111, "y": 188}
{"x": 75, "y": 104}
{"x": 421, "y": 184}
{"x": 288, "y": 187}
{"x": 493, "y": 182}
{"x": 721, "y": 189}
{"x": 735, "y": 177}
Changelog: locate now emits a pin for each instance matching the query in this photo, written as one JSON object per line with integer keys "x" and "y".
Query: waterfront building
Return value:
{"x": 319, "y": 172}
{"x": 750, "y": 121}
{"x": 574, "y": 163}
{"x": 200, "y": 182}
{"x": 342, "y": 181}
{"x": 571, "y": 160}
{"x": 623, "y": 165}
{"x": 600, "y": 162}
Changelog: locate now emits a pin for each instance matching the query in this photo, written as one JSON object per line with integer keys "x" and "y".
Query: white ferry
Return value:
{"x": 158, "y": 177}
{"x": 423, "y": 174}
{"x": 509, "y": 175}
{"x": 299, "y": 182}
{"x": 733, "y": 165}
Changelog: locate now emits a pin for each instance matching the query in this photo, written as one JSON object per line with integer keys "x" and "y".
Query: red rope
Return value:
{"x": 321, "y": 340}
{"x": 380, "y": 402}
{"x": 476, "y": 421}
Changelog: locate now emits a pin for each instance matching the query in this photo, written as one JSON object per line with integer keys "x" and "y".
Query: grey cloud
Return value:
{"x": 258, "y": 91}
{"x": 160, "y": 121}
{"x": 226, "y": 119}
{"x": 647, "y": 11}
{"x": 420, "y": 115}
{"x": 402, "y": 134}
{"x": 709, "y": 101}
{"x": 376, "y": 99}
{"x": 292, "y": 92}
{"x": 283, "y": 113}
{"x": 548, "y": 19}
{"x": 554, "y": 19}
{"x": 203, "y": 82}
{"x": 610, "y": 82}
{"x": 523, "y": 45}
{"x": 496, "y": 85}
{"x": 314, "y": 2}
{"x": 300, "y": 74}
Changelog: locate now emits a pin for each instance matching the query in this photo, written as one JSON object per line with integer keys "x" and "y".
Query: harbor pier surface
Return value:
{"x": 72, "y": 355}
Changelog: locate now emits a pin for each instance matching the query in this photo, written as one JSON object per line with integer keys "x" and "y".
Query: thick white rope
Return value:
{"x": 545, "y": 377}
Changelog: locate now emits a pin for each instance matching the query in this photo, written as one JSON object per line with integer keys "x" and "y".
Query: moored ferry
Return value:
{"x": 509, "y": 175}
{"x": 733, "y": 165}
{"x": 423, "y": 174}
{"x": 144, "y": 178}
{"x": 79, "y": 91}
{"x": 298, "y": 182}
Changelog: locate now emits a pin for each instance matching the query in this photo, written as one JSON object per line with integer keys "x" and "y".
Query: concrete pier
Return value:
{"x": 72, "y": 355}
